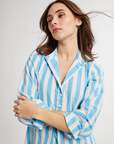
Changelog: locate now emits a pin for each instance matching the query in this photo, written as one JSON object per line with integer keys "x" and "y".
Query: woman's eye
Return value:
{"x": 61, "y": 15}
{"x": 49, "y": 21}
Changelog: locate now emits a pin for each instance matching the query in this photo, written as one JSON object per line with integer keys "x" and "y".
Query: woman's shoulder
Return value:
{"x": 34, "y": 60}
{"x": 95, "y": 69}
{"x": 35, "y": 56}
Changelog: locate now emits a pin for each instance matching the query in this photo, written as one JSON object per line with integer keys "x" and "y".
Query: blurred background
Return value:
{"x": 20, "y": 35}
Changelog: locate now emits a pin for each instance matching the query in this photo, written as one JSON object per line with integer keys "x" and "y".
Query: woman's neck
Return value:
{"x": 68, "y": 49}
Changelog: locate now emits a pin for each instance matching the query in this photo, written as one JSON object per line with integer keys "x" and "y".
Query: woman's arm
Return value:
{"x": 27, "y": 109}
{"x": 28, "y": 87}
{"x": 52, "y": 118}
{"x": 58, "y": 112}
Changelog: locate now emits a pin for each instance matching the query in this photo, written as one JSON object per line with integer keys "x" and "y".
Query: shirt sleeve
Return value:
{"x": 29, "y": 87}
{"x": 81, "y": 122}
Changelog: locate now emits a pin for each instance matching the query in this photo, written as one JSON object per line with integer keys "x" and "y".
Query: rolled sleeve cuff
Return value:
{"x": 73, "y": 125}
{"x": 38, "y": 123}
{"x": 32, "y": 123}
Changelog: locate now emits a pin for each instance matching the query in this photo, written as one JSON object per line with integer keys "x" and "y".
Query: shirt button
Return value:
{"x": 61, "y": 94}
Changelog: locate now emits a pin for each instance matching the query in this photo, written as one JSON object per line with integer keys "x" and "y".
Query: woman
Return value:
{"x": 61, "y": 91}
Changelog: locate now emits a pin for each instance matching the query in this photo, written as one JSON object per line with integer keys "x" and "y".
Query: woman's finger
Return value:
{"x": 16, "y": 101}
{"x": 16, "y": 111}
{"x": 15, "y": 106}
{"x": 22, "y": 97}
{"x": 16, "y": 115}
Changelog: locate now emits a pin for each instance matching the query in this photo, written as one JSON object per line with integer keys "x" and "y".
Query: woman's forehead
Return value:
{"x": 56, "y": 7}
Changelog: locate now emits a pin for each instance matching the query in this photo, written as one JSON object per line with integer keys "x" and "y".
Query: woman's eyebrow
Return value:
{"x": 56, "y": 12}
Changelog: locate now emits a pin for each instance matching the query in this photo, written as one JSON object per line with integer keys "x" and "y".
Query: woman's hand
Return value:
{"x": 25, "y": 107}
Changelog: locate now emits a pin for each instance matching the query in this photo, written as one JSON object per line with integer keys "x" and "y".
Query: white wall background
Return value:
{"x": 20, "y": 35}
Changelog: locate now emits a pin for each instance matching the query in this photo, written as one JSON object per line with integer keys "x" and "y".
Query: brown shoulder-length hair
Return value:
{"x": 85, "y": 36}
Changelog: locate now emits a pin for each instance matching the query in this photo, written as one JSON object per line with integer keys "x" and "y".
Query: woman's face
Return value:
{"x": 59, "y": 16}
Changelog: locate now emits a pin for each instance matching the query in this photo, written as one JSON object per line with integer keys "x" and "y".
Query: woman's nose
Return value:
{"x": 54, "y": 21}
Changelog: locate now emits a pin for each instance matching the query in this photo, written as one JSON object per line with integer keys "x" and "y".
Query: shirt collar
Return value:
{"x": 53, "y": 55}
{"x": 52, "y": 61}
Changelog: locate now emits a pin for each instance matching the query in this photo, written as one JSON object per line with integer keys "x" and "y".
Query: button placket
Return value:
{"x": 59, "y": 105}
{"x": 60, "y": 100}
{"x": 61, "y": 94}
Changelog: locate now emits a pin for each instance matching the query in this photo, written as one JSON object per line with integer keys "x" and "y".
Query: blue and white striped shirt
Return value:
{"x": 81, "y": 94}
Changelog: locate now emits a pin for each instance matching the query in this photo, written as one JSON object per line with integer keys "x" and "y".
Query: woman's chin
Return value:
{"x": 58, "y": 38}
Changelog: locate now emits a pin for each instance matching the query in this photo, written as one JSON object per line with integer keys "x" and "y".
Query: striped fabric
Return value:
{"x": 80, "y": 94}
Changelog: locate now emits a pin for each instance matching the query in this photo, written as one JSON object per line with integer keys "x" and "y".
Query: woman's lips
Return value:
{"x": 56, "y": 29}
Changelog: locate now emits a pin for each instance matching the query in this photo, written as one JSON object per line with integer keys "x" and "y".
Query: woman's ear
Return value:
{"x": 78, "y": 22}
